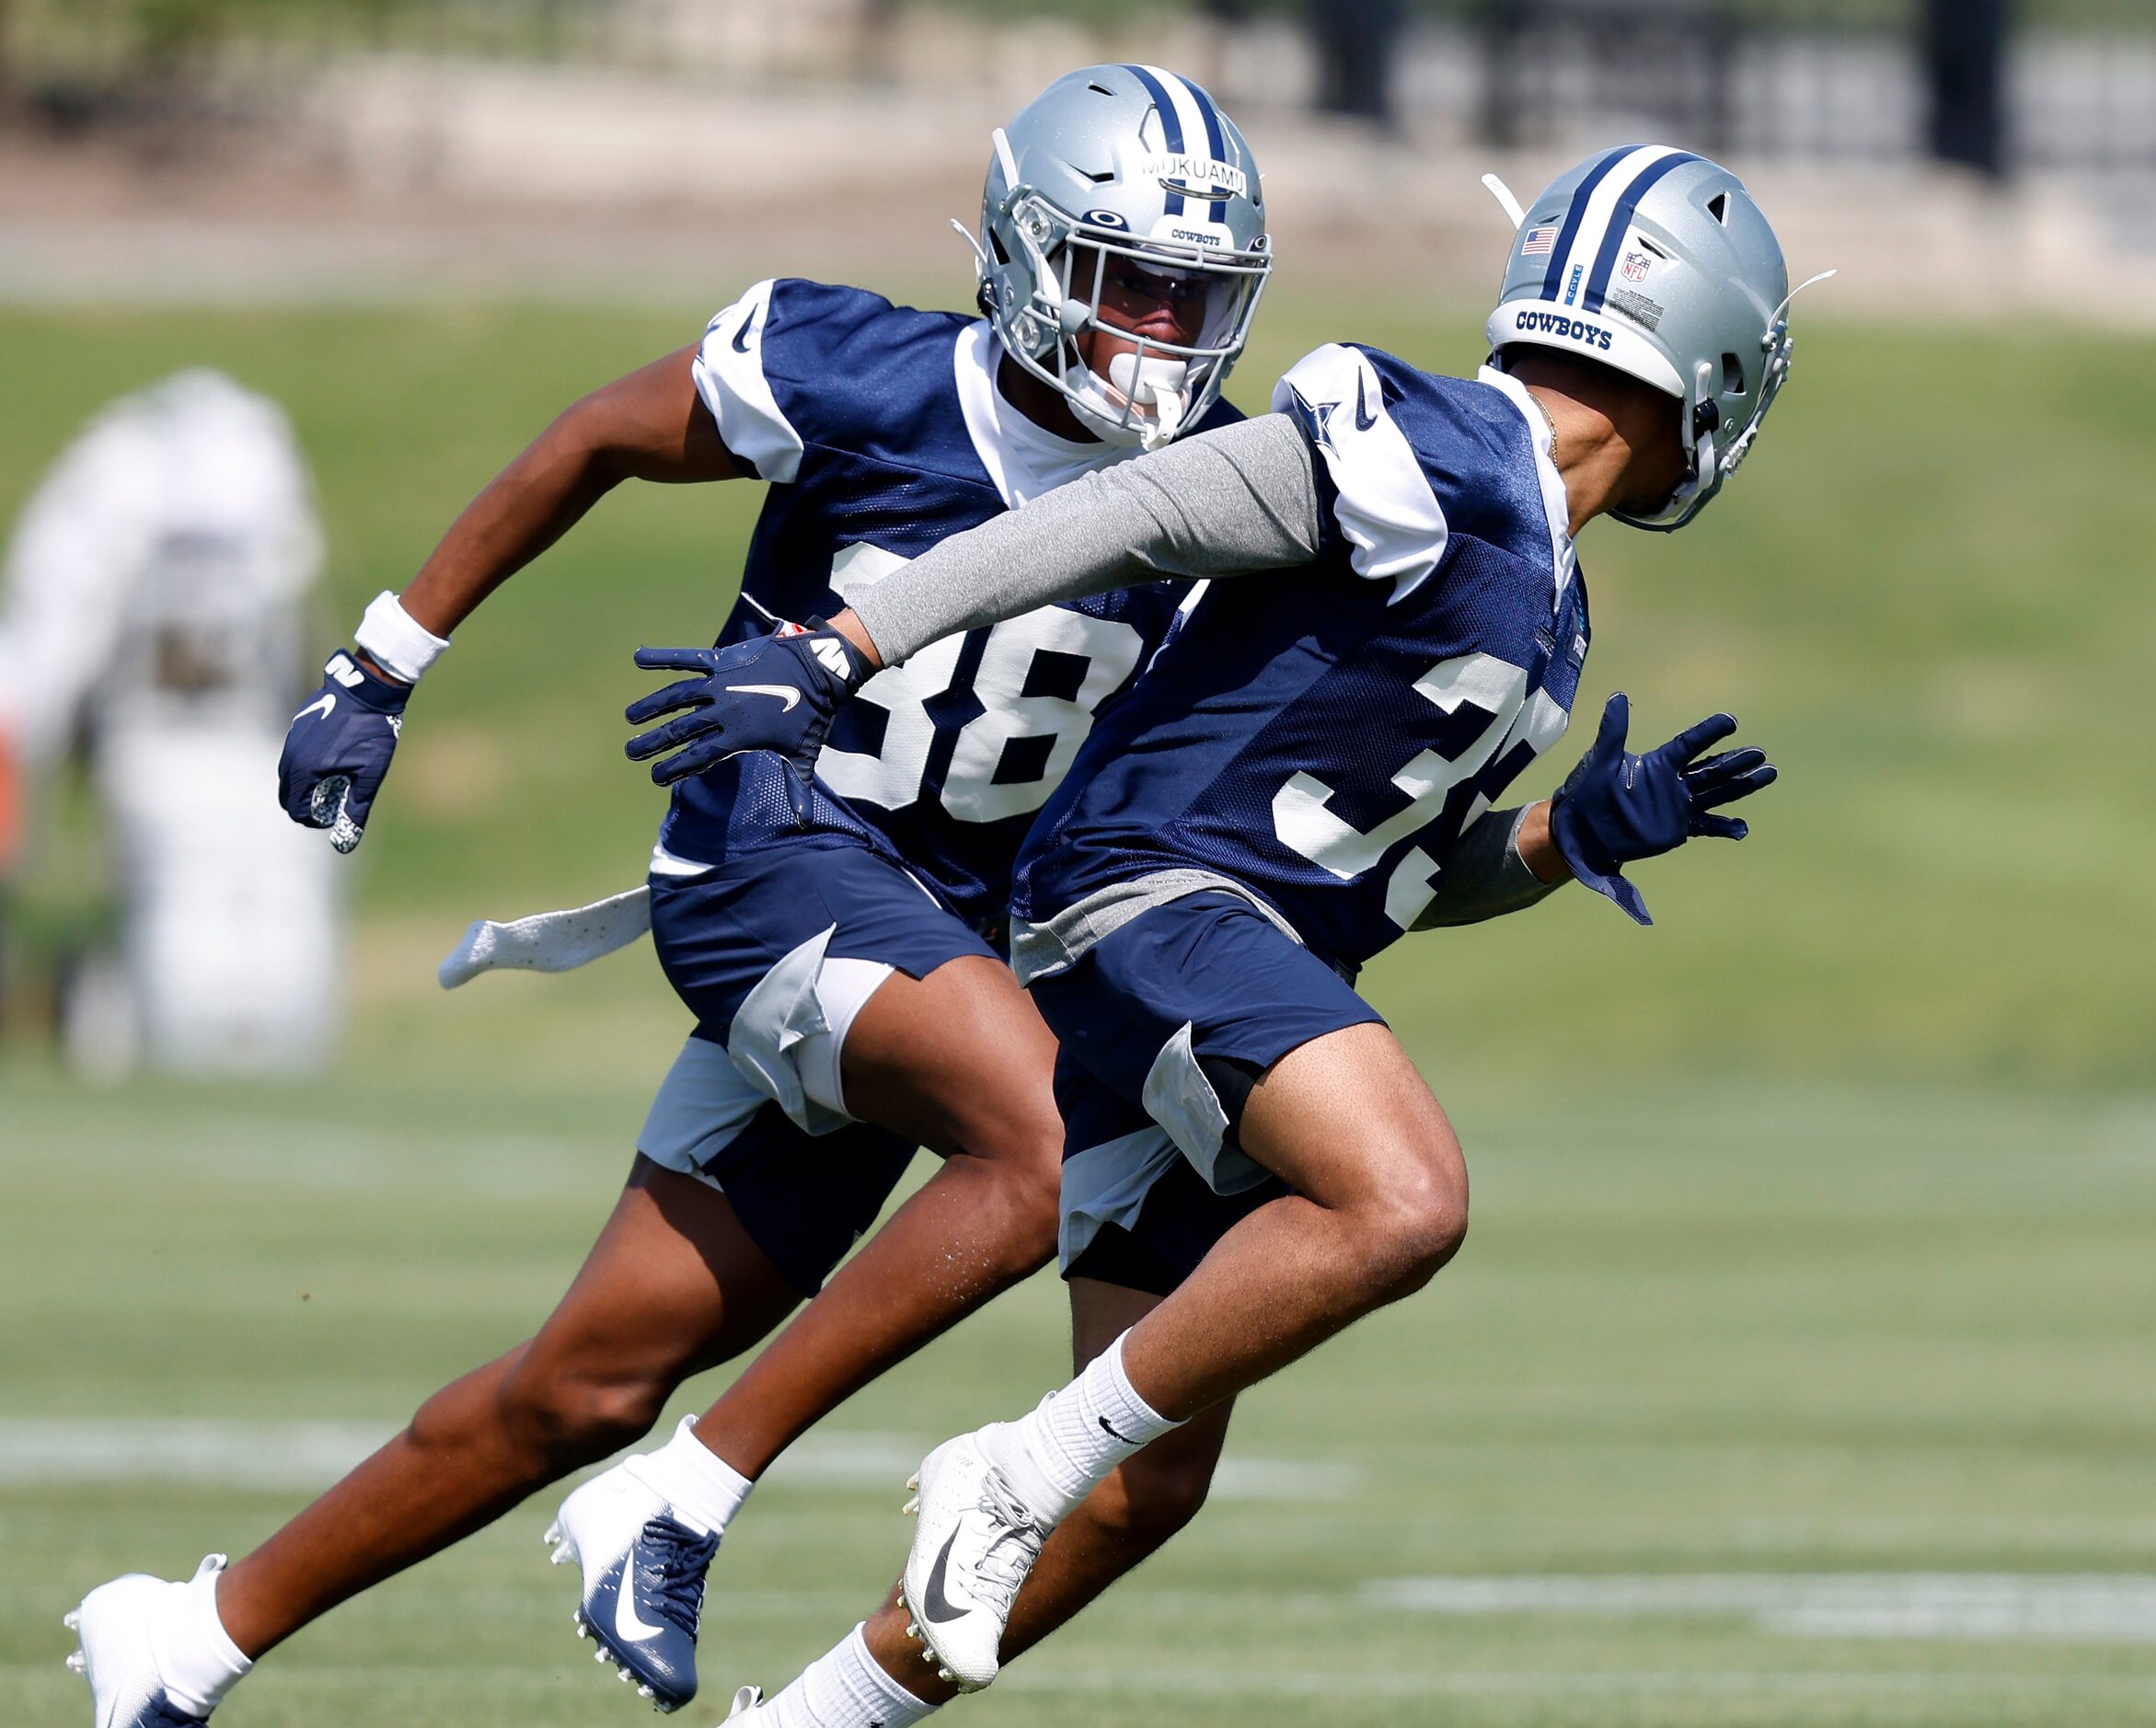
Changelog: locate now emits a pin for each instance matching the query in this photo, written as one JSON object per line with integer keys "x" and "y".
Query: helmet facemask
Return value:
{"x": 1710, "y": 465}
{"x": 1151, "y": 388}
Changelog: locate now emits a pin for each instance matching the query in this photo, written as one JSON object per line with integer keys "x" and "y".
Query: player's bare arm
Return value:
{"x": 646, "y": 425}
{"x": 649, "y": 425}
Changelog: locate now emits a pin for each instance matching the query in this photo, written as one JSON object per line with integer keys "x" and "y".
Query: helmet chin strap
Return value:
{"x": 1167, "y": 415}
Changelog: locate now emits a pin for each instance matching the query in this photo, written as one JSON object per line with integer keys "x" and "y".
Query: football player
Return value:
{"x": 838, "y": 942}
{"x": 1307, "y": 773}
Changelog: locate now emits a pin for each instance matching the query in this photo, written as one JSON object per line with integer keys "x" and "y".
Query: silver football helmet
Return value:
{"x": 1127, "y": 170}
{"x": 1657, "y": 262}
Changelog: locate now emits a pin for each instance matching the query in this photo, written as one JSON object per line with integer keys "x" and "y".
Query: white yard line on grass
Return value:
{"x": 1204, "y": 1682}
{"x": 2093, "y": 1608}
{"x": 213, "y": 1452}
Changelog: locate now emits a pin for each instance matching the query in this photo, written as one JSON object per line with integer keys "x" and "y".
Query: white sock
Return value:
{"x": 1054, "y": 1455}
{"x": 846, "y": 1688}
{"x": 701, "y": 1486}
{"x": 195, "y": 1655}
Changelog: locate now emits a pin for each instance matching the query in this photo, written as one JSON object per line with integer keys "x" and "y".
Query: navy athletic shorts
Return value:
{"x": 1164, "y": 1025}
{"x": 774, "y": 951}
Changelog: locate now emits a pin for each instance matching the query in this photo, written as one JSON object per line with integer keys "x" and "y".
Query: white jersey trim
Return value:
{"x": 1565, "y": 558}
{"x": 1382, "y": 500}
{"x": 728, "y": 371}
{"x": 1022, "y": 459}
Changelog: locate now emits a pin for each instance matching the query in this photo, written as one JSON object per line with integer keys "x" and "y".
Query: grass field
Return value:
{"x": 1803, "y": 1334}
{"x": 1797, "y": 1371}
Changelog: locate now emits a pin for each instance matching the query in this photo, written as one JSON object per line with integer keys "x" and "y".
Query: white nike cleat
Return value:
{"x": 643, "y": 1581}
{"x": 978, "y": 1541}
{"x": 116, "y": 1625}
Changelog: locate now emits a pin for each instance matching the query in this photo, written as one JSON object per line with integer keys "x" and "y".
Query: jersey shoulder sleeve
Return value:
{"x": 1483, "y": 445}
{"x": 1379, "y": 511}
{"x": 795, "y": 365}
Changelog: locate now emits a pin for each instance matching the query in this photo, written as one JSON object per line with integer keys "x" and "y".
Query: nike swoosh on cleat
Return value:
{"x": 789, "y": 696}
{"x": 323, "y": 705}
{"x": 935, "y": 1605}
{"x": 626, "y": 1619}
{"x": 1364, "y": 419}
{"x": 741, "y": 337}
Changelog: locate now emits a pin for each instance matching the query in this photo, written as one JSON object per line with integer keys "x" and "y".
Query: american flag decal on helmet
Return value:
{"x": 1538, "y": 243}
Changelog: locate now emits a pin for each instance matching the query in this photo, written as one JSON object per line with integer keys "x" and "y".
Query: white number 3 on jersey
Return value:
{"x": 1307, "y": 825}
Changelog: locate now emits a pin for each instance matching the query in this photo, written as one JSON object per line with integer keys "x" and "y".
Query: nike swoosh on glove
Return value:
{"x": 778, "y": 693}
{"x": 1615, "y": 808}
{"x": 338, "y": 750}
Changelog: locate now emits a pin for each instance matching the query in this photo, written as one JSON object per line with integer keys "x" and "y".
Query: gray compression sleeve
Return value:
{"x": 1485, "y": 877}
{"x": 1243, "y": 498}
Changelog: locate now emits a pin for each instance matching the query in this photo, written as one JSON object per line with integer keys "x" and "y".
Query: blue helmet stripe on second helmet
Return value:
{"x": 1620, "y": 220}
{"x": 1170, "y": 122}
{"x": 1583, "y": 195}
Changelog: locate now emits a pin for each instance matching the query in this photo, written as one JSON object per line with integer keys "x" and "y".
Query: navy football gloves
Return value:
{"x": 1615, "y": 808}
{"x": 778, "y": 693}
{"x": 338, "y": 748}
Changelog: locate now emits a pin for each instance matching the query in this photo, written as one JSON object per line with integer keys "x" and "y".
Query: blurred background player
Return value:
{"x": 153, "y": 614}
{"x": 839, "y": 943}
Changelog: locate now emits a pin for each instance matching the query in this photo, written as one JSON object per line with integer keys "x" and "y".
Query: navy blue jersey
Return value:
{"x": 881, "y": 431}
{"x": 1320, "y": 736}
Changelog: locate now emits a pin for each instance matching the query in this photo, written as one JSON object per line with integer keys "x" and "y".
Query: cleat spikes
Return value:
{"x": 553, "y": 1532}
{"x": 913, "y": 1628}
{"x": 944, "y": 1674}
{"x": 76, "y": 1663}
{"x": 912, "y": 1507}
{"x": 72, "y": 1619}
{"x": 913, "y": 1481}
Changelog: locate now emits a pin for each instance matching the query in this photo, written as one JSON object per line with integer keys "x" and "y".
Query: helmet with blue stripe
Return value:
{"x": 1123, "y": 169}
{"x": 1656, "y": 262}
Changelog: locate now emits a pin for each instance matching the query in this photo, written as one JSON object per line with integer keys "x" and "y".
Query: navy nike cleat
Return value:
{"x": 643, "y": 1581}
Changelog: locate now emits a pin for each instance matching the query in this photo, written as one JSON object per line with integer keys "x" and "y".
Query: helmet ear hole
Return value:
{"x": 996, "y": 245}
{"x": 1733, "y": 375}
{"x": 1718, "y": 208}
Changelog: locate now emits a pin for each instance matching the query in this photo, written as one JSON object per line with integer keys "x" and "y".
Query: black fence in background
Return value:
{"x": 1994, "y": 84}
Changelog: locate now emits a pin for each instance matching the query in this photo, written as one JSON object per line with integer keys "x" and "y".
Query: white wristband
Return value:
{"x": 395, "y": 641}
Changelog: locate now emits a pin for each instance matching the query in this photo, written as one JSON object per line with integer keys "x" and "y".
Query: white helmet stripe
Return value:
{"x": 1568, "y": 280}
{"x": 1193, "y": 120}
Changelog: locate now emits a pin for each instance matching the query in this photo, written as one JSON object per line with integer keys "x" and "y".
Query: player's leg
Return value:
{"x": 1265, "y": 1073}
{"x": 1380, "y": 1205}
{"x": 1126, "y": 1518}
{"x": 961, "y": 1062}
{"x": 871, "y": 1019}
{"x": 674, "y": 1284}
